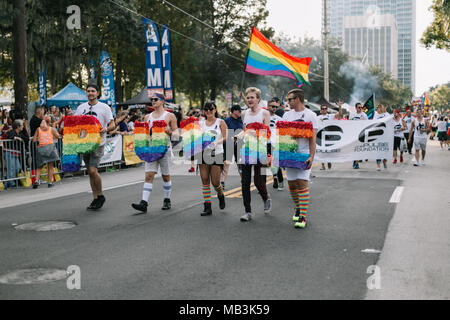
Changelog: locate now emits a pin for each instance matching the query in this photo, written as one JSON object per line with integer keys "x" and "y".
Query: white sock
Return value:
{"x": 148, "y": 187}
{"x": 167, "y": 189}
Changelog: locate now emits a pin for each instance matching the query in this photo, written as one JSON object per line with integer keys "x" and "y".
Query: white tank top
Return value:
{"x": 150, "y": 124}
{"x": 255, "y": 118}
{"x": 215, "y": 130}
{"x": 398, "y": 125}
{"x": 417, "y": 126}
{"x": 408, "y": 121}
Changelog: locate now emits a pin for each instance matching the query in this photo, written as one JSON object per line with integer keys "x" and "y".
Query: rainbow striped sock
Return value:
{"x": 206, "y": 190}
{"x": 303, "y": 197}
{"x": 294, "y": 196}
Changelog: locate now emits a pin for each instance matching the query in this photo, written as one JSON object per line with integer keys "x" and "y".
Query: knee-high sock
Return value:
{"x": 148, "y": 187}
{"x": 294, "y": 195}
{"x": 167, "y": 189}
{"x": 206, "y": 190}
{"x": 303, "y": 197}
{"x": 219, "y": 190}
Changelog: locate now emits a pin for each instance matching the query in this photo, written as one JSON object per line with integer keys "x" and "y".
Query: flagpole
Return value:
{"x": 325, "y": 56}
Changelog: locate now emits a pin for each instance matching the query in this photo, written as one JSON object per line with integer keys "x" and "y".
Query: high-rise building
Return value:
{"x": 342, "y": 13}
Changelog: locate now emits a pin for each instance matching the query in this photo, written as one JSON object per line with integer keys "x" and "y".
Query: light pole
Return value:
{"x": 326, "y": 89}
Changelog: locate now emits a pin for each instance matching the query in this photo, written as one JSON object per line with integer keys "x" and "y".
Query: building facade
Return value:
{"x": 342, "y": 13}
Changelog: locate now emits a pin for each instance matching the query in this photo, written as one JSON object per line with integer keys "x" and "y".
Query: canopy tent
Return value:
{"x": 70, "y": 95}
{"x": 141, "y": 98}
{"x": 323, "y": 102}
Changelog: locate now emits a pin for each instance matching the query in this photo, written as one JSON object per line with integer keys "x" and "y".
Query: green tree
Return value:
{"x": 440, "y": 97}
{"x": 438, "y": 33}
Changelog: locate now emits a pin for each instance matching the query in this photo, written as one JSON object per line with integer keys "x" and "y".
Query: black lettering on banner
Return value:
{"x": 372, "y": 132}
{"x": 329, "y": 136}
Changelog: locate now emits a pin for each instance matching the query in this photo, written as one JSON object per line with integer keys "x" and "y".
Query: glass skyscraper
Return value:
{"x": 404, "y": 12}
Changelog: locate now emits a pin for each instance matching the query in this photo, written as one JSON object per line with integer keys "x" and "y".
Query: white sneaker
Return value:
{"x": 378, "y": 169}
{"x": 246, "y": 217}
{"x": 281, "y": 186}
{"x": 422, "y": 162}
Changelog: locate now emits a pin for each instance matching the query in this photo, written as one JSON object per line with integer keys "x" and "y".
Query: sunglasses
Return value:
{"x": 289, "y": 99}
{"x": 273, "y": 106}
{"x": 154, "y": 99}
{"x": 324, "y": 109}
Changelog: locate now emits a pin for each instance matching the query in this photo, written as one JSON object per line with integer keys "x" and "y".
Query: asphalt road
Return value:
{"x": 178, "y": 254}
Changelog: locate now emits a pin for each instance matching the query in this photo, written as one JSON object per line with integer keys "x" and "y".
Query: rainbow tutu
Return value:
{"x": 286, "y": 148}
{"x": 254, "y": 150}
{"x": 159, "y": 141}
{"x": 194, "y": 140}
{"x": 81, "y": 135}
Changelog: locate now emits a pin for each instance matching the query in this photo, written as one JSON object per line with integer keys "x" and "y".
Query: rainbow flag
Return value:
{"x": 425, "y": 100}
{"x": 266, "y": 59}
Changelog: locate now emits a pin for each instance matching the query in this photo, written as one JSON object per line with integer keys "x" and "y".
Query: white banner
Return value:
{"x": 344, "y": 141}
{"x": 113, "y": 149}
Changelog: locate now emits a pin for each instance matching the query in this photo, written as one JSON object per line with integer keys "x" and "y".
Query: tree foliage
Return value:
{"x": 438, "y": 33}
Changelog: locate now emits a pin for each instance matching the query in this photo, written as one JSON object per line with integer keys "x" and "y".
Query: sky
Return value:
{"x": 300, "y": 18}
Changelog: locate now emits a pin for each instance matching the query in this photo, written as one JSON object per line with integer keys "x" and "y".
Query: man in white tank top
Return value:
{"x": 408, "y": 120}
{"x": 151, "y": 168}
{"x": 254, "y": 113}
{"x": 420, "y": 127}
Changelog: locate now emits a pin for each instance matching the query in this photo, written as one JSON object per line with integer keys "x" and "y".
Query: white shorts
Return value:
{"x": 297, "y": 174}
{"x": 420, "y": 143}
{"x": 164, "y": 163}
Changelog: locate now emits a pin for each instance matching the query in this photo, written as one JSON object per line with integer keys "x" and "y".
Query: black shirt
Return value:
{"x": 35, "y": 123}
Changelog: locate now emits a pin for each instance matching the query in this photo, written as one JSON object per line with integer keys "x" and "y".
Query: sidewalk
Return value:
{"x": 415, "y": 260}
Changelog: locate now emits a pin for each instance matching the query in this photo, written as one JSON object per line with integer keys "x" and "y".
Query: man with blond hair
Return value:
{"x": 254, "y": 114}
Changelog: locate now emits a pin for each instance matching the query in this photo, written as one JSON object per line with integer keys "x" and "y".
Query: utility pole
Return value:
{"x": 19, "y": 56}
{"x": 326, "y": 90}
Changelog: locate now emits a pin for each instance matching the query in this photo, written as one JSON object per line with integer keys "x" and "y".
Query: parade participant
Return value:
{"x": 298, "y": 179}
{"x": 381, "y": 113}
{"x": 442, "y": 131}
{"x": 211, "y": 163}
{"x": 46, "y": 151}
{"x": 278, "y": 181}
{"x": 434, "y": 120}
{"x": 254, "y": 114}
{"x": 420, "y": 127}
{"x": 104, "y": 115}
{"x": 279, "y": 110}
{"x": 151, "y": 168}
{"x": 408, "y": 120}
{"x": 358, "y": 115}
{"x": 325, "y": 116}
{"x": 235, "y": 126}
{"x": 399, "y": 128}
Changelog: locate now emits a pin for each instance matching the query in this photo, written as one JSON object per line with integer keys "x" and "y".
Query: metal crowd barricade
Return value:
{"x": 14, "y": 158}
{"x": 33, "y": 146}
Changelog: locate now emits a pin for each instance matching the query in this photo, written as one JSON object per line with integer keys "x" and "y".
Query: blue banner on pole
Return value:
{"x": 92, "y": 69}
{"x": 153, "y": 63}
{"x": 42, "y": 89}
{"x": 167, "y": 64}
{"x": 109, "y": 93}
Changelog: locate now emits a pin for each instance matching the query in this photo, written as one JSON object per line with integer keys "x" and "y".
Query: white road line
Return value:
{"x": 122, "y": 185}
{"x": 397, "y": 195}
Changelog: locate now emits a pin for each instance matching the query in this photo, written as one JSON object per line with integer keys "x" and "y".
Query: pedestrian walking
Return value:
{"x": 442, "y": 131}
{"x": 298, "y": 179}
{"x": 277, "y": 172}
{"x": 254, "y": 114}
{"x": 103, "y": 113}
{"x": 212, "y": 158}
{"x": 151, "y": 168}
{"x": 399, "y": 128}
{"x": 420, "y": 127}
{"x": 408, "y": 120}
{"x": 358, "y": 115}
